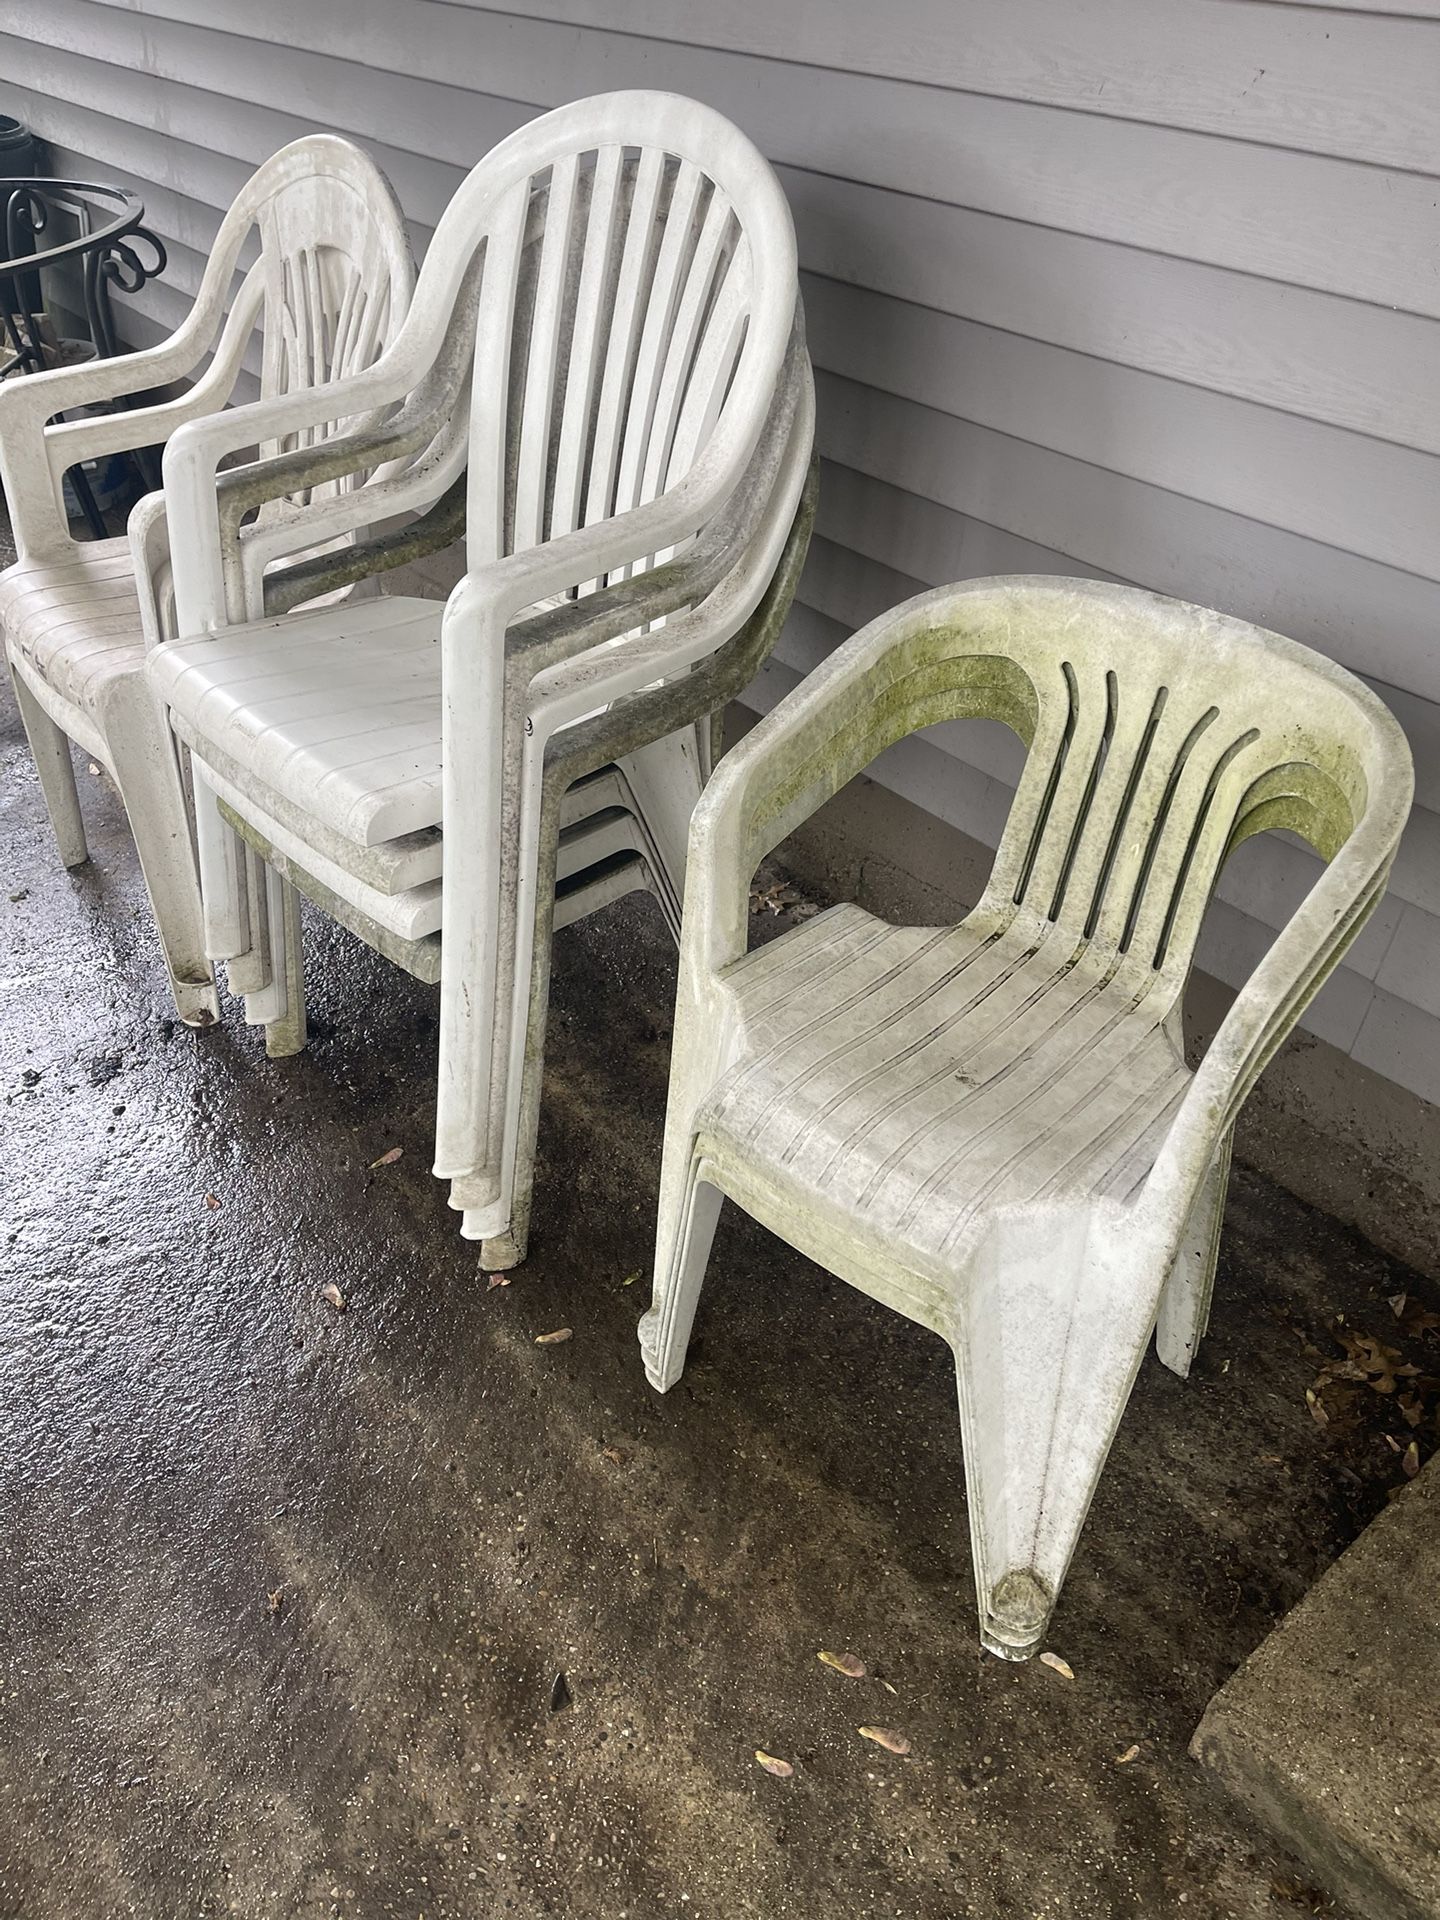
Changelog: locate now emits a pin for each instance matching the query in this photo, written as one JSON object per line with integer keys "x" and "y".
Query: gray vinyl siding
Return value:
{"x": 1140, "y": 289}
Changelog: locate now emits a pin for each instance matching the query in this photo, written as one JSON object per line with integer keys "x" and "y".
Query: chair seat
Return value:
{"x": 75, "y": 623}
{"x": 338, "y": 710}
{"x": 919, "y": 1078}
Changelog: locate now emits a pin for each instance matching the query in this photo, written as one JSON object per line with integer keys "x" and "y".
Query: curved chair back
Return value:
{"x": 1160, "y": 736}
{"x": 328, "y": 291}
{"x": 640, "y": 287}
{"x": 334, "y": 276}
{"x": 636, "y": 272}
{"x": 623, "y": 271}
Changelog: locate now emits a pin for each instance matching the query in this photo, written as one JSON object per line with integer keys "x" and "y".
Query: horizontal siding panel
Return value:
{"x": 1417, "y": 9}
{"x": 1355, "y": 365}
{"x": 851, "y": 589}
{"x": 1362, "y": 495}
{"x": 1411, "y": 966}
{"x": 266, "y": 109}
{"x": 168, "y": 174}
{"x": 79, "y": 141}
{"x": 1333, "y": 224}
{"x": 853, "y": 579}
{"x": 1323, "y": 85}
{"x": 1349, "y": 608}
{"x": 187, "y": 226}
{"x": 140, "y": 157}
{"x": 182, "y": 222}
{"x": 1421, "y": 721}
{"x": 1401, "y": 1043}
{"x": 839, "y": 581}
{"x": 1232, "y": 945}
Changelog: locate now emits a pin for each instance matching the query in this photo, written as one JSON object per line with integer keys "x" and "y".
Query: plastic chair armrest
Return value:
{"x": 34, "y": 456}
{"x": 490, "y": 596}
{"x": 1304, "y": 954}
{"x": 71, "y": 441}
{"x": 191, "y": 471}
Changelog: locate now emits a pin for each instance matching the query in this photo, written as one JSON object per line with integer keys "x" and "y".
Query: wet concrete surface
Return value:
{"x": 285, "y": 1591}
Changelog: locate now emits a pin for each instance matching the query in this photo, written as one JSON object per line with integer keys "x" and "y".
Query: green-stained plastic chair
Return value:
{"x": 991, "y": 1127}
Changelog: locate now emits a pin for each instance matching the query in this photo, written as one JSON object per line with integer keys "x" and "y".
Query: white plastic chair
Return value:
{"x": 991, "y": 1127}
{"x": 619, "y": 277}
{"x": 331, "y": 281}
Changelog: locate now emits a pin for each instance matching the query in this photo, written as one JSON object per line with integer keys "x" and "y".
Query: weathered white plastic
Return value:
{"x": 331, "y": 280}
{"x": 624, "y": 273}
{"x": 991, "y": 1127}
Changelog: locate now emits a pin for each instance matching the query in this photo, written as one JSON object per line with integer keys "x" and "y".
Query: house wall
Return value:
{"x": 1139, "y": 289}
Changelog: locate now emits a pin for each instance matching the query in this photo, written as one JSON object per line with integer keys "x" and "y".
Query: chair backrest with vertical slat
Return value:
{"x": 637, "y": 296}
{"x": 605, "y": 307}
{"x": 329, "y": 291}
{"x": 1166, "y": 735}
{"x": 1160, "y": 736}
{"x": 332, "y": 282}
{"x": 335, "y": 269}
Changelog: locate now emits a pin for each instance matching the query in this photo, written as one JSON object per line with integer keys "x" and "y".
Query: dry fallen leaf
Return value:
{"x": 493, "y": 1280}
{"x": 274, "y": 1601}
{"x": 775, "y": 898}
{"x": 1372, "y": 1361}
{"x": 781, "y": 1769}
{"x": 553, "y": 1339}
{"x": 1124, "y": 1759}
{"x": 1062, "y": 1667}
{"x": 890, "y": 1738}
{"x": 388, "y": 1159}
{"x": 1417, "y": 1319}
{"x": 212, "y": 1203}
{"x": 846, "y": 1663}
{"x": 1397, "y": 1304}
{"x": 332, "y": 1296}
{"x": 616, "y": 1454}
{"x": 1411, "y": 1460}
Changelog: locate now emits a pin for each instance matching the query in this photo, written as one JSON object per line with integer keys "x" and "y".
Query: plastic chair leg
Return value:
{"x": 147, "y": 772}
{"x": 682, "y": 1253}
{"x": 285, "y": 1031}
{"x": 1049, "y": 1331}
{"x": 221, "y": 854}
{"x": 50, "y": 749}
{"x": 1185, "y": 1303}
{"x": 247, "y": 972}
{"x": 507, "y": 1248}
{"x": 520, "y": 1108}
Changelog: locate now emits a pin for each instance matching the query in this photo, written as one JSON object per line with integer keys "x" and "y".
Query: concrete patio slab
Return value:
{"x": 1331, "y": 1729}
